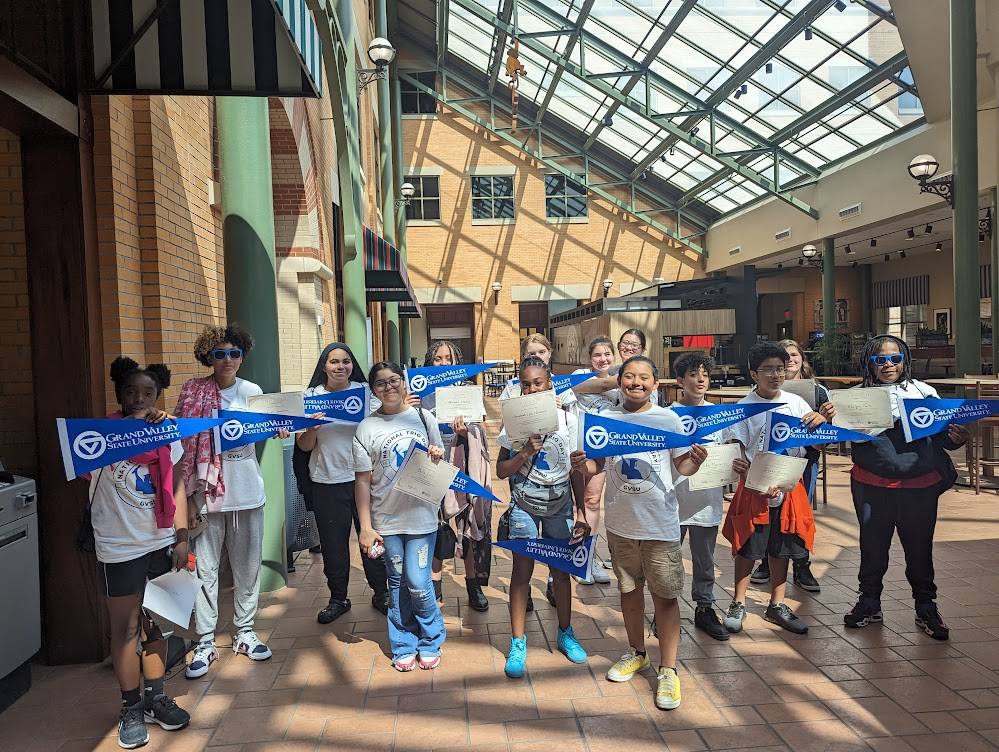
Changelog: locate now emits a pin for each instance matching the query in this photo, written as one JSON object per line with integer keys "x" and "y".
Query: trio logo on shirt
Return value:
{"x": 133, "y": 485}
{"x": 550, "y": 463}
{"x": 636, "y": 475}
{"x": 395, "y": 447}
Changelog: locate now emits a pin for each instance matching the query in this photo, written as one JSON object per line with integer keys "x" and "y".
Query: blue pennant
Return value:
{"x": 606, "y": 437}
{"x": 574, "y": 559}
{"x": 348, "y": 405}
{"x": 423, "y": 381}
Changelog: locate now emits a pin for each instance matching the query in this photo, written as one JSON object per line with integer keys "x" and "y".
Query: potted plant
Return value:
{"x": 832, "y": 354}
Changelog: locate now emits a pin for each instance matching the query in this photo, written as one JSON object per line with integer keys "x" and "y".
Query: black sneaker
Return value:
{"x": 864, "y": 613}
{"x": 477, "y": 600}
{"x": 167, "y": 713}
{"x": 706, "y": 620}
{"x": 782, "y": 616}
{"x": 550, "y": 594}
{"x": 132, "y": 730}
{"x": 380, "y": 602}
{"x": 929, "y": 620}
{"x": 804, "y": 578}
{"x": 333, "y": 611}
{"x": 439, "y": 591}
{"x": 762, "y": 574}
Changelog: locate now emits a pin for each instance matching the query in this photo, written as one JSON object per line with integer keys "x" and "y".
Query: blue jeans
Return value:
{"x": 415, "y": 623}
{"x": 524, "y": 524}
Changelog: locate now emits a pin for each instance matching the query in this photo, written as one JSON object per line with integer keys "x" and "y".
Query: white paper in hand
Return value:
{"x": 172, "y": 596}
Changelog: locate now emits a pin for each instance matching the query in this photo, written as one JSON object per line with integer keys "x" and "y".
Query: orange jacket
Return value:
{"x": 749, "y": 508}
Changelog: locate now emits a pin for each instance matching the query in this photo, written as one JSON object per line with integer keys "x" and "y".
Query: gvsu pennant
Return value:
{"x": 349, "y": 405}
{"x": 786, "y": 432}
{"x": 423, "y": 381}
{"x": 565, "y": 381}
{"x": 573, "y": 559}
{"x": 606, "y": 437}
{"x": 88, "y": 444}
{"x": 925, "y": 417}
{"x": 463, "y": 484}
{"x": 236, "y": 428}
{"x": 702, "y": 420}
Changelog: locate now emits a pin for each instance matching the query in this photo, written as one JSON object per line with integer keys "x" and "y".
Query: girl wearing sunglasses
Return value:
{"x": 227, "y": 492}
{"x": 896, "y": 485}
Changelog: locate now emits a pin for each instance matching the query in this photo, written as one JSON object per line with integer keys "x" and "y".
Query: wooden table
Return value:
{"x": 839, "y": 380}
{"x": 957, "y": 382}
{"x": 668, "y": 391}
{"x": 727, "y": 394}
{"x": 966, "y": 385}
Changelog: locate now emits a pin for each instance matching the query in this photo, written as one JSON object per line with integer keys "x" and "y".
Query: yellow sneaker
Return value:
{"x": 627, "y": 666}
{"x": 668, "y": 690}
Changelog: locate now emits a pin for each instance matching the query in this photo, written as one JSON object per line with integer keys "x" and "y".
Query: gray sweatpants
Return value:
{"x": 702, "y": 556}
{"x": 242, "y": 535}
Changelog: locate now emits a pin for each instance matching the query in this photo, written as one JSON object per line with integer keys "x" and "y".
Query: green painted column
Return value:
{"x": 400, "y": 211}
{"x": 866, "y": 289}
{"x": 386, "y": 173}
{"x": 995, "y": 275}
{"x": 964, "y": 146}
{"x": 829, "y": 300}
{"x": 250, "y": 287}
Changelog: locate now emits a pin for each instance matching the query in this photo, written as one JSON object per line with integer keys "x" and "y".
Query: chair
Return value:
{"x": 981, "y": 451}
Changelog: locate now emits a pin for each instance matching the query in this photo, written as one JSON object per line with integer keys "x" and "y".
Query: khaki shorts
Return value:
{"x": 658, "y": 562}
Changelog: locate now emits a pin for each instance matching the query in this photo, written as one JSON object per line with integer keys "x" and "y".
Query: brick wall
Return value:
{"x": 530, "y": 252}
{"x": 17, "y": 419}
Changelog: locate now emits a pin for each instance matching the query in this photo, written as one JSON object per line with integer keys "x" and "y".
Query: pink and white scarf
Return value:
{"x": 200, "y": 398}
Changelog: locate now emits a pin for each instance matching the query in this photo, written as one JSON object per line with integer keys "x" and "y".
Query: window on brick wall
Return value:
{"x": 565, "y": 197}
{"x": 426, "y": 202}
{"x": 492, "y": 197}
{"x": 415, "y": 102}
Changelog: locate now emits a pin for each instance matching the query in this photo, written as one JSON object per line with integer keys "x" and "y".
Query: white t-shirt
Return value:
{"x": 701, "y": 508}
{"x": 752, "y": 432}
{"x": 639, "y": 499}
{"x": 594, "y": 403}
{"x": 551, "y": 465}
{"x": 332, "y": 460}
{"x": 244, "y": 485}
{"x": 122, "y": 512}
{"x": 380, "y": 446}
{"x": 512, "y": 389}
{"x": 615, "y": 394}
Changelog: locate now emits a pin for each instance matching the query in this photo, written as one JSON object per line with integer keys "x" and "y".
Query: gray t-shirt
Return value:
{"x": 701, "y": 508}
{"x": 380, "y": 445}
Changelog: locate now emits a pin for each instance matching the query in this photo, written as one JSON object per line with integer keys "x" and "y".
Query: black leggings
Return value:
{"x": 333, "y": 506}
{"x": 913, "y": 512}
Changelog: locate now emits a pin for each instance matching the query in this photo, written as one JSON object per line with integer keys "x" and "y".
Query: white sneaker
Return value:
{"x": 247, "y": 643}
{"x": 205, "y": 654}
{"x": 599, "y": 574}
{"x": 584, "y": 580}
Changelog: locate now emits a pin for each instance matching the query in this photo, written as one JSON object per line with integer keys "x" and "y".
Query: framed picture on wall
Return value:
{"x": 842, "y": 312}
{"x": 941, "y": 320}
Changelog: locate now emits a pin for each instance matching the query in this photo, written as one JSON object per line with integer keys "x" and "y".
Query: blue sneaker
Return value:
{"x": 516, "y": 658}
{"x": 569, "y": 646}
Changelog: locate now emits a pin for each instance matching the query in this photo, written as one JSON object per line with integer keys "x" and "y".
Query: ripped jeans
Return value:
{"x": 415, "y": 623}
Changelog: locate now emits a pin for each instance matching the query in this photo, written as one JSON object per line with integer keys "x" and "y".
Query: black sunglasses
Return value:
{"x": 221, "y": 353}
{"x": 881, "y": 360}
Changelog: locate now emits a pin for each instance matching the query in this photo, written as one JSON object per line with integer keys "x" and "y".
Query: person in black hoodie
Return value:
{"x": 325, "y": 474}
{"x": 896, "y": 485}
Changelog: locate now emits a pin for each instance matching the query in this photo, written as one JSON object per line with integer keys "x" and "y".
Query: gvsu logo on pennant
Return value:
{"x": 780, "y": 432}
{"x": 418, "y": 383}
{"x": 597, "y": 437}
{"x": 231, "y": 430}
{"x": 89, "y": 445}
{"x": 689, "y": 424}
{"x": 921, "y": 417}
{"x": 353, "y": 405}
{"x": 579, "y": 555}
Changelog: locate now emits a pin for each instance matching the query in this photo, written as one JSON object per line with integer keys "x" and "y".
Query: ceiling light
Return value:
{"x": 808, "y": 33}
{"x": 801, "y": 262}
{"x": 671, "y": 151}
{"x": 738, "y": 93}
{"x": 780, "y": 266}
{"x": 607, "y": 121}
{"x": 809, "y": 251}
{"x": 929, "y": 229}
{"x": 839, "y": 5}
{"x": 849, "y": 250}
{"x": 854, "y": 264}
{"x": 887, "y": 257}
{"x": 874, "y": 242}
{"x": 901, "y": 254}
{"x": 939, "y": 247}
{"x": 910, "y": 234}
{"x": 770, "y": 68}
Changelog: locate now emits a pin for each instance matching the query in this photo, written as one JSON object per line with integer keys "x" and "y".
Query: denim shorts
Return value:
{"x": 523, "y": 524}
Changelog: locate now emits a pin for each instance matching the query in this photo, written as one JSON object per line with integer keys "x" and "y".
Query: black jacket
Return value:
{"x": 891, "y": 456}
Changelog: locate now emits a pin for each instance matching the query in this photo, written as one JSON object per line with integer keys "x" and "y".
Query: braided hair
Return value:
{"x": 124, "y": 369}
{"x": 873, "y": 347}
{"x": 456, "y": 357}
{"x": 533, "y": 361}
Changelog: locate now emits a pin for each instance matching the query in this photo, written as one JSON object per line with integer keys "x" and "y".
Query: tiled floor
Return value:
{"x": 887, "y": 688}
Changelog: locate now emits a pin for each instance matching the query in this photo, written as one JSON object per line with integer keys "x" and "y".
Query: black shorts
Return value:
{"x": 768, "y": 540}
{"x": 129, "y": 577}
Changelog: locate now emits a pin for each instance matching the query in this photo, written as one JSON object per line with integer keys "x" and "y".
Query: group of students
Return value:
{"x": 148, "y": 511}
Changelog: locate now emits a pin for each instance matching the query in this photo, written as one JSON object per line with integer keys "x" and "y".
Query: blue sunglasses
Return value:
{"x": 882, "y": 360}
{"x": 221, "y": 353}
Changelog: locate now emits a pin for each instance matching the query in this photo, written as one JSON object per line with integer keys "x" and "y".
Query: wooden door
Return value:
{"x": 454, "y": 322}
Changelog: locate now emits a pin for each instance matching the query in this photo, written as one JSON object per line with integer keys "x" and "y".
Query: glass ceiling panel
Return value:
{"x": 706, "y": 49}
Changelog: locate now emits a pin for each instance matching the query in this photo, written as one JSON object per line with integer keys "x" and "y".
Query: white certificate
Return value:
{"x": 716, "y": 470}
{"x": 460, "y": 401}
{"x": 769, "y": 469}
{"x": 804, "y": 388}
{"x": 172, "y": 596}
{"x": 420, "y": 477}
{"x": 862, "y": 409}
{"x": 278, "y": 403}
{"x": 530, "y": 414}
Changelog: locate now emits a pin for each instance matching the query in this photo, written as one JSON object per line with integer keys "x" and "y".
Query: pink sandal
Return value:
{"x": 407, "y": 663}
{"x": 430, "y": 662}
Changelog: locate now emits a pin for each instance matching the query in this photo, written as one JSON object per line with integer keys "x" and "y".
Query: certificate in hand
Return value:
{"x": 804, "y": 388}
{"x": 421, "y": 478}
{"x": 769, "y": 469}
{"x": 862, "y": 409}
{"x": 716, "y": 470}
{"x": 530, "y": 414}
{"x": 278, "y": 403}
{"x": 464, "y": 401}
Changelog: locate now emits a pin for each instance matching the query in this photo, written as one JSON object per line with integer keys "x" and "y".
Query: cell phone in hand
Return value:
{"x": 376, "y": 550}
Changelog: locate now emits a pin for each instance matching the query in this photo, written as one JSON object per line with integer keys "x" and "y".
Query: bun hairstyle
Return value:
{"x": 533, "y": 361}
{"x": 123, "y": 369}
{"x": 213, "y": 336}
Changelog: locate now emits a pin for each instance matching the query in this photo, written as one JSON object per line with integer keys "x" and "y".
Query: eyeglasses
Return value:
{"x": 222, "y": 353}
{"x": 883, "y": 360}
{"x": 394, "y": 383}
{"x": 630, "y": 346}
{"x": 779, "y": 371}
